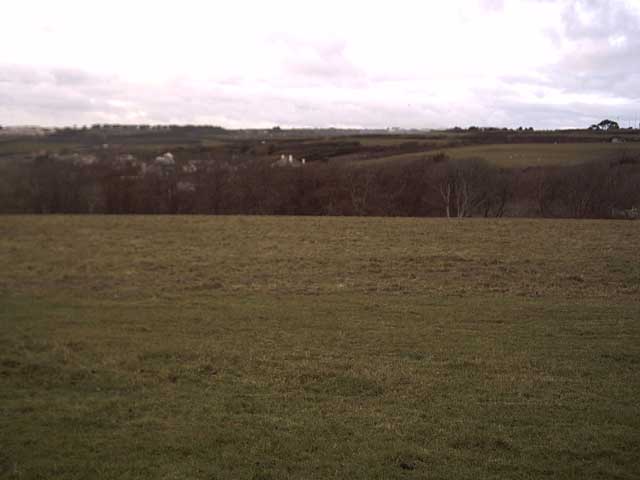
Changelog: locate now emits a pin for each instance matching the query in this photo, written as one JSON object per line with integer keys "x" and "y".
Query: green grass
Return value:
{"x": 243, "y": 347}
{"x": 535, "y": 154}
{"x": 395, "y": 140}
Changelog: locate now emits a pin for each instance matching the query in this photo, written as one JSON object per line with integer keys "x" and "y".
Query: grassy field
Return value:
{"x": 257, "y": 348}
{"x": 534, "y": 154}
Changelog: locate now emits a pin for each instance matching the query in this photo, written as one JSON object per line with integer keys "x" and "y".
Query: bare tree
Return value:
{"x": 462, "y": 185}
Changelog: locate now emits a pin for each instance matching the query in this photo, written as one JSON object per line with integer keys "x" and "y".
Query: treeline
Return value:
{"x": 432, "y": 186}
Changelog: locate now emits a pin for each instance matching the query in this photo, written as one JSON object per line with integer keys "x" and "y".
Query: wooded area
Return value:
{"x": 432, "y": 186}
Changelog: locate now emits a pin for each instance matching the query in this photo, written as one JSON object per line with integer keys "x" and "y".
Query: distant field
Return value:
{"x": 19, "y": 147}
{"x": 264, "y": 347}
{"x": 535, "y": 154}
{"x": 392, "y": 140}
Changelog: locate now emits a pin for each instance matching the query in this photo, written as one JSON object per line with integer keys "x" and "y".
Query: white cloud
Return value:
{"x": 250, "y": 63}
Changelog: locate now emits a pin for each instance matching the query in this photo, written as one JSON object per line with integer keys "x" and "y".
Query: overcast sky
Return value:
{"x": 421, "y": 64}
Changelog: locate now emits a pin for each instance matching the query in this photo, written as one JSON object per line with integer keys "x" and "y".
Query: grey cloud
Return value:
{"x": 22, "y": 75}
{"x": 505, "y": 107}
{"x": 72, "y": 77}
{"x": 598, "y": 19}
{"x": 53, "y": 97}
{"x": 56, "y": 104}
{"x": 72, "y": 96}
{"x": 593, "y": 63}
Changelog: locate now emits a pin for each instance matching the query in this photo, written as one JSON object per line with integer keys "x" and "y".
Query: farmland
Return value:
{"x": 118, "y": 169}
{"x": 533, "y": 154}
{"x": 289, "y": 347}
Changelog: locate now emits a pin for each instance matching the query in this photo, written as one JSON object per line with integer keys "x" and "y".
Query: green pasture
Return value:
{"x": 268, "y": 348}
{"x": 533, "y": 154}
